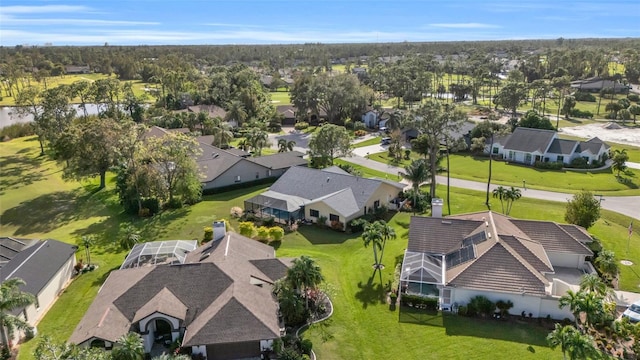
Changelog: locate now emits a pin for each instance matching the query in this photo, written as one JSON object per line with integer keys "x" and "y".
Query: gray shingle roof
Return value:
{"x": 273, "y": 268}
{"x": 438, "y": 235}
{"x": 280, "y": 160}
{"x": 343, "y": 201}
{"x": 10, "y": 247}
{"x": 313, "y": 184}
{"x": 37, "y": 264}
{"x": 529, "y": 140}
{"x": 592, "y": 145}
{"x": 562, "y": 146}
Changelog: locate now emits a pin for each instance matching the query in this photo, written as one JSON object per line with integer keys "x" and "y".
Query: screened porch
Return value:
{"x": 283, "y": 208}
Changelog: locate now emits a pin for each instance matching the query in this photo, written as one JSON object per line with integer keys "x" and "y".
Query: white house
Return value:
{"x": 528, "y": 146}
{"x": 531, "y": 263}
{"x": 46, "y": 267}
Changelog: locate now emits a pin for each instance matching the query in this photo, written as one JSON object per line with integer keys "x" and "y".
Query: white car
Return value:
{"x": 633, "y": 312}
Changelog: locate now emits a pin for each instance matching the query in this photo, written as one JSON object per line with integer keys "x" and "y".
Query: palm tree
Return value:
{"x": 619, "y": 158}
{"x": 221, "y": 135}
{"x": 580, "y": 347}
{"x": 574, "y": 301}
{"x": 501, "y": 193}
{"x": 372, "y": 235}
{"x": 130, "y": 238}
{"x": 129, "y": 347}
{"x": 87, "y": 242}
{"x": 387, "y": 233}
{"x": 284, "y": 145}
{"x": 607, "y": 264}
{"x": 416, "y": 173}
{"x": 243, "y": 145}
{"x": 561, "y": 336}
{"x": 304, "y": 275}
{"x": 236, "y": 112}
{"x": 592, "y": 306}
{"x": 257, "y": 139}
{"x": 511, "y": 196}
{"x": 12, "y": 298}
{"x": 593, "y": 283}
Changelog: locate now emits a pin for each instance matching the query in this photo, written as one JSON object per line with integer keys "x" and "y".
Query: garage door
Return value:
{"x": 231, "y": 351}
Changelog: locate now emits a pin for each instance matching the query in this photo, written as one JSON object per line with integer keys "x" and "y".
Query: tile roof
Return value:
{"x": 529, "y": 140}
{"x": 552, "y": 236}
{"x": 212, "y": 110}
{"x": 578, "y": 232}
{"x": 438, "y": 235}
{"x": 562, "y": 146}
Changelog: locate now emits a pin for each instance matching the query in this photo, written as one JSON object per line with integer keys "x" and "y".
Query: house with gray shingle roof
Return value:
{"x": 219, "y": 301}
{"x": 528, "y": 146}
{"x": 312, "y": 194}
{"x": 532, "y": 263}
{"x": 46, "y": 267}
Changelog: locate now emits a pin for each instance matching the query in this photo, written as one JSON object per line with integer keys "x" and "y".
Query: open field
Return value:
{"x": 54, "y": 81}
{"x": 36, "y": 203}
{"x": 280, "y": 98}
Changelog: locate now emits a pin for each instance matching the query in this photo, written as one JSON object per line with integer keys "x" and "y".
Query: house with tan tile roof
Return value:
{"x": 218, "y": 300}
{"x": 531, "y": 263}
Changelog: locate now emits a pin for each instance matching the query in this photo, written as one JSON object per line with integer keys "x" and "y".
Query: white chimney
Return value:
{"x": 436, "y": 207}
{"x": 219, "y": 230}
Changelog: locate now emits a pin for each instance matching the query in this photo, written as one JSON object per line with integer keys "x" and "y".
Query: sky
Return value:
{"x": 138, "y": 22}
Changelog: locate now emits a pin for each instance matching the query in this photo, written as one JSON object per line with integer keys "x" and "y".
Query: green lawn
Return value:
{"x": 280, "y": 98}
{"x": 53, "y": 81}
{"x": 368, "y": 142}
{"x": 464, "y": 166}
{"x": 37, "y": 203}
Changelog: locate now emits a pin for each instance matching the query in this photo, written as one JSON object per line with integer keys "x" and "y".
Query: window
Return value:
{"x": 238, "y": 178}
{"x": 268, "y": 172}
{"x": 257, "y": 175}
{"x": 334, "y": 217}
{"x": 560, "y": 158}
{"x": 527, "y": 158}
{"x": 376, "y": 204}
{"x": 314, "y": 213}
{"x": 495, "y": 150}
{"x": 512, "y": 155}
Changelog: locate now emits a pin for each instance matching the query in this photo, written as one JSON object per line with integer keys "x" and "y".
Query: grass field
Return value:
{"x": 280, "y": 98}
{"x": 368, "y": 142}
{"x": 54, "y": 81}
{"x": 37, "y": 203}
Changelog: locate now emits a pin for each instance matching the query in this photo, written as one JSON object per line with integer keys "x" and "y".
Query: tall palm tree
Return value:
{"x": 11, "y": 298}
{"x": 236, "y": 112}
{"x": 284, "y": 145}
{"x": 501, "y": 193}
{"x": 561, "y": 336}
{"x": 573, "y": 300}
{"x": 257, "y": 139}
{"x": 387, "y": 232}
{"x": 580, "y": 347}
{"x": 416, "y": 173}
{"x": 593, "y": 283}
{"x": 221, "y": 135}
{"x": 304, "y": 275}
{"x": 128, "y": 347}
{"x": 607, "y": 264}
{"x": 511, "y": 196}
{"x": 592, "y": 306}
{"x": 372, "y": 235}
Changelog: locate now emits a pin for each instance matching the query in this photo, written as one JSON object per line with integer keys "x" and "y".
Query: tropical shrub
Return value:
{"x": 301, "y": 125}
{"x": 276, "y": 233}
{"x": 322, "y": 221}
{"x": 581, "y": 114}
{"x": 548, "y": 165}
{"x": 584, "y": 96}
{"x": 247, "y": 228}
{"x": 263, "y": 233}
{"x": 633, "y": 97}
{"x": 359, "y": 125}
{"x": 481, "y": 305}
{"x": 208, "y": 234}
{"x": 337, "y": 225}
{"x": 360, "y": 133}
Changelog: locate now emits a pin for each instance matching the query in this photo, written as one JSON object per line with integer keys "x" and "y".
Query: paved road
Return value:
{"x": 627, "y": 205}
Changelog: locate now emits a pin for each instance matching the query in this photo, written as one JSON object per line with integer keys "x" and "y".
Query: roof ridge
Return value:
{"x": 522, "y": 261}
{"x": 571, "y": 236}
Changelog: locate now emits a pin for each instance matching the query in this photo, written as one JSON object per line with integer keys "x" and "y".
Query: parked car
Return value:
{"x": 385, "y": 141}
{"x": 633, "y": 312}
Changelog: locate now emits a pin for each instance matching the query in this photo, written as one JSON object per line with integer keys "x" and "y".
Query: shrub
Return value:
{"x": 359, "y": 125}
{"x": 276, "y": 233}
{"x": 337, "y": 225}
{"x": 482, "y": 305}
{"x": 208, "y": 234}
{"x": 236, "y": 212}
{"x": 322, "y": 220}
{"x": 174, "y": 203}
{"x": 504, "y": 306}
{"x": 462, "y": 310}
{"x": 380, "y": 212}
{"x": 581, "y": 114}
{"x": 17, "y": 130}
{"x": 579, "y": 163}
{"x": 301, "y": 125}
{"x": 268, "y": 222}
{"x": 548, "y": 165}
{"x": 633, "y": 97}
{"x": 305, "y": 346}
{"x": 428, "y": 303}
{"x": 247, "y": 228}
{"x": 348, "y": 124}
{"x": 584, "y": 96}
{"x": 152, "y": 204}
{"x": 407, "y": 154}
{"x": 359, "y": 133}
{"x": 263, "y": 233}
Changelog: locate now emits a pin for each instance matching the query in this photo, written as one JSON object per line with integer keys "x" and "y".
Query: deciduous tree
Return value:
{"x": 583, "y": 210}
{"x": 330, "y": 142}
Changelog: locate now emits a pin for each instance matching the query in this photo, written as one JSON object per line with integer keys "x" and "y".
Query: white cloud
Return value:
{"x": 10, "y": 20}
{"x": 465, "y": 26}
{"x": 42, "y": 9}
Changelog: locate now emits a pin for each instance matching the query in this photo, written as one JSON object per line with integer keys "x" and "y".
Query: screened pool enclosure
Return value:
{"x": 283, "y": 208}
{"x": 159, "y": 252}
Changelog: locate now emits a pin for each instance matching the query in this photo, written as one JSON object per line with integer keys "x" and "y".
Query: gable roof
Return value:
{"x": 529, "y": 140}
{"x": 313, "y": 184}
{"x": 342, "y": 201}
{"x": 10, "y": 247}
{"x": 212, "y": 110}
{"x": 38, "y": 264}
{"x": 592, "y": 145}
{"x": 281, "y": 160}
{"x": 562, "y": 146}
{"x": 214, "y": 162}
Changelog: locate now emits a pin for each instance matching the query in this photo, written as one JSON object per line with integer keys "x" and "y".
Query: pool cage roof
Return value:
{"x": 159, "y": 252}
{"x": 422, "y": 268}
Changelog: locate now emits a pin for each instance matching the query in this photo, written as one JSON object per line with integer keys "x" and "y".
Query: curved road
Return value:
{"x": 626, "y": 205}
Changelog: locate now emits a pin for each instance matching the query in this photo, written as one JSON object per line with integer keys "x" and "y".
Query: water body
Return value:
{"x": 10, "y": 115}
